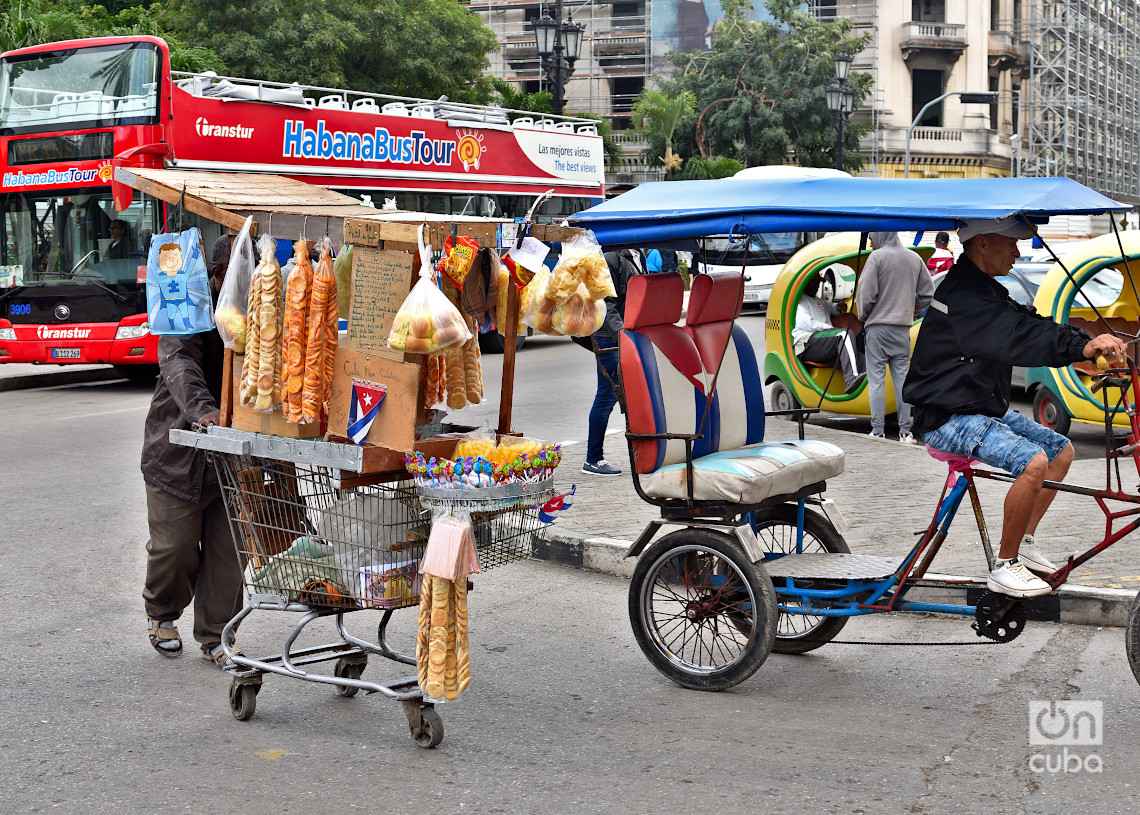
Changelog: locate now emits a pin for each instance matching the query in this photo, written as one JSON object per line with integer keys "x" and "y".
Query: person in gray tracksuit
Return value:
{"x": 893, "y": 290}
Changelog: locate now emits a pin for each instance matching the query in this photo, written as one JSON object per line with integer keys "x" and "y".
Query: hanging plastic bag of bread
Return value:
{"x": 458, "y": 259}
{"x": 230, "y": 314}
{"x": 343, "y": 268}
{"x": 539, "y": 314}
{"x": 581, "y": 262}
{"x": 578, "y": 315}
{"x": 427, "y": 322}
{"x": 262, "y": 384}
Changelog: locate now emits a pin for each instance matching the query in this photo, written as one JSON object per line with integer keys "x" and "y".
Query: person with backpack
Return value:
{"x": 623, "y": 265}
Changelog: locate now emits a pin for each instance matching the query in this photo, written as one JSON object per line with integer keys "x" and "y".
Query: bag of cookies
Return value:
{"x": 427, "y": 322}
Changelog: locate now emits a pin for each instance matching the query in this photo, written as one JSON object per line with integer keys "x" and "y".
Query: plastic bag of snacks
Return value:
{"x": 427, "y": 322}
{"x": 578, "y": 315}
{"x": 261, "y": 375}
{"x": 230, "y": 316}
{"x": 526, "y": 295}
{"x": 457, "y": 259}
{"x": 539, "y": 314}
{"x": 343, "y": 268}
{"x": 581, "y": 262}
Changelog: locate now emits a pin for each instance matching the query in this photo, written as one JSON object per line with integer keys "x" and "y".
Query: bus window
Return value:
{"x": 64, "y": 238}
{"x": 75, "y": 89}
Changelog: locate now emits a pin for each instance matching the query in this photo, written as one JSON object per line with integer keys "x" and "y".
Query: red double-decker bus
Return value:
{"x": 74, "y": 244}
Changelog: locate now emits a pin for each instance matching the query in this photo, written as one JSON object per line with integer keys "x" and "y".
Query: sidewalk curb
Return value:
{"x": 1073, "y": 605}
{"x": 49, "y": 379}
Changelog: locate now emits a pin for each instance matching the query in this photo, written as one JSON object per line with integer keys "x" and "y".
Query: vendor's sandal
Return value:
{"x": 165, "y": 639}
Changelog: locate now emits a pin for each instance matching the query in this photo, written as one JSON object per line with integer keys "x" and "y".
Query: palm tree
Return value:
{"x": 656, "y": 111}
{"x": 719, "y": 167}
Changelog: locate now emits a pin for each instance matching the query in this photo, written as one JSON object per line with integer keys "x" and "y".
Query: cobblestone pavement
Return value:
{"x": 887, "y": 494}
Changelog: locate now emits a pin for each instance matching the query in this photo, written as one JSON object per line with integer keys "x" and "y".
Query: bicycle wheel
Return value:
{"x": 1132, "y": 638}
{"x": 701, "y": 612}
{"x": 776, "y": 531}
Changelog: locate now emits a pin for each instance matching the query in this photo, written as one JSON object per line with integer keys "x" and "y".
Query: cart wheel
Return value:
{"x": 1049, "y": 411}
{"x": 1132, "y": 638}
{"x": 346, "y": 669}
{"x": 426, "y": 726}
{"x": 243, "y": 699}
{"x": 776, "y": 531}
{"x": 782, "y": 398}
{"x": 701, "y": 612}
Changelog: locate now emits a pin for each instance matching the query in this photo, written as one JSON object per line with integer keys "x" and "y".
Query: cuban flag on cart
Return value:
{"x": 363, "y": 407}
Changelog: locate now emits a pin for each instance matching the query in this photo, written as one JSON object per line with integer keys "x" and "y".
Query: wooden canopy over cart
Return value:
{"x": 287, "y": 206}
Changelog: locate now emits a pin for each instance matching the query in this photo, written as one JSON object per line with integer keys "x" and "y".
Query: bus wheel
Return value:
{"x": 492, "y": 342}
{"x": 782, "y": 398}
{"x": 1049, "y": 410}
{"x": 137, "y": 373}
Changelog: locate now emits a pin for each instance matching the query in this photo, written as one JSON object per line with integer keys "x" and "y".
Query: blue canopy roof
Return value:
{"x": 671, "y": 211}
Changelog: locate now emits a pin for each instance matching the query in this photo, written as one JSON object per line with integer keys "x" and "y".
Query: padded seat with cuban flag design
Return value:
{"x": 667, "y": 372}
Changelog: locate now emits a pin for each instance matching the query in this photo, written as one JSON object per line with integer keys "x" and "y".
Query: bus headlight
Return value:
{"x": 131, "y": 332}
{"x": 8, "y": 334}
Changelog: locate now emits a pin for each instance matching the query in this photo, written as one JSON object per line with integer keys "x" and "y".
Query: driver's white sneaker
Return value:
{"x": 1012, "y": 578}
{"x": 1031, "y": 556}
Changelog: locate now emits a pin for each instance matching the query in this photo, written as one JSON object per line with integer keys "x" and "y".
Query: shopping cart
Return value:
{"x": 316, "y": 539}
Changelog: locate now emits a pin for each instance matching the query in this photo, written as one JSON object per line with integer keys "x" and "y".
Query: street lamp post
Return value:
{"x": 841, "y": 102}
{"x": 982, "y": 98}
{"x": 559, "y": 44}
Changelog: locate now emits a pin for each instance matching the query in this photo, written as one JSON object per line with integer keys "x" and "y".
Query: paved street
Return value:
{"x": 564, "y": 715}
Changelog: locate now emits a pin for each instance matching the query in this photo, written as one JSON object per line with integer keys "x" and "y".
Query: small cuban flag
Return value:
{"x": 556, "y": 505}
{"x": 363, "y": 407}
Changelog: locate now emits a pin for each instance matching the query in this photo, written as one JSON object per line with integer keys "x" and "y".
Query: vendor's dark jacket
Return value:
{"x": 189, "y": 387}
{"x": 971, "y": 337}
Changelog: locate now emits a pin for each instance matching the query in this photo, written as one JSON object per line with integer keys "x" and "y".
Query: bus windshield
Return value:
{"x": 79, "y": 88}
{"x": 60, "y": 238}
{"x": 768, "y": 249}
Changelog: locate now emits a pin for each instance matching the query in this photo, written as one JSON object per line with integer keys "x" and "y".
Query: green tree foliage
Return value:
{"x": 661, "y": 113}
{"x": 425, "y": 48}
{"x": 698, "y": 168}
{"x": 34, "y": 22}
{"x": 760, "y": 89}
{"x": 422, "y": 48}
{"x": 513, "y": 99}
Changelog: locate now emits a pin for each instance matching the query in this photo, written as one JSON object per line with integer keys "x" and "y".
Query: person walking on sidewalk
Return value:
{"x": 190, "y": 555}
{"x": 894, "y": 289}
{"x": 970, "y": 339}
{"x": 623, "y": 265}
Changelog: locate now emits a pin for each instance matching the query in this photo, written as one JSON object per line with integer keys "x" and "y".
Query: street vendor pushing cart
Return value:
{"x": 959, "y": 382}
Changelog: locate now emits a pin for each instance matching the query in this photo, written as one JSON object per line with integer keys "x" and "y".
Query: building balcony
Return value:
{"x": 619, "y": 44}
{"x": 1007, "y": 51}
{"x": 941, "y": 145}
{"x": 924, "y": 38}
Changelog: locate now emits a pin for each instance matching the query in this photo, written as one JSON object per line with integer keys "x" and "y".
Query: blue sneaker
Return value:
{"x": 600, "y": 467}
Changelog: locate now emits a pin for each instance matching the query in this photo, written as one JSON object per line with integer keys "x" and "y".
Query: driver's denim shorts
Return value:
{"x": 1008, "y": 443}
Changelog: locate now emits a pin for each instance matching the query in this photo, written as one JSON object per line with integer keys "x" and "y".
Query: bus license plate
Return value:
{"x": 65, "y": 353}
{"x": 751, "y": 296}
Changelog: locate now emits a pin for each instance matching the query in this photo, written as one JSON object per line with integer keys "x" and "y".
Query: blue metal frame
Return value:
{"x": 843, "y": 602}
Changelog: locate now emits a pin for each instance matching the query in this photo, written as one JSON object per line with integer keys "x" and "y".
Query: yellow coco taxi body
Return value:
{"x": 793, "y": 382}
{"x": 1064, "y": 395}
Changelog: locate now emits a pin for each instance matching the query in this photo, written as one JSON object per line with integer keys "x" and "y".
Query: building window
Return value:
{"x": 928, "y": 11}
{"x": 824, "y": 9}
{"x": 628, "y": 15}
{"x": 993, "y": 123}
{"x": 625, "y": 90}
{"x": 925, "y": 86}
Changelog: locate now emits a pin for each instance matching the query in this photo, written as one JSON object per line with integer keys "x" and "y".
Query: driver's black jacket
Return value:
{"x": 971, "y": 337}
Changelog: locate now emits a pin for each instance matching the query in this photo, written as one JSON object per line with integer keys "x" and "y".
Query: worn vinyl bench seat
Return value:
{"x": 667, "y": 372}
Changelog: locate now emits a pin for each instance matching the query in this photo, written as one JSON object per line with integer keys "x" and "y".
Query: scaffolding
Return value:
{"x": 1081, "y": 100}
{"x": 864, "y": 16}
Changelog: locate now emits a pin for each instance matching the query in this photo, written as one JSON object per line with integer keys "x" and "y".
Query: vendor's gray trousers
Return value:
{"x": 191, "y": 557}
{"x": 887, "y": 345}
